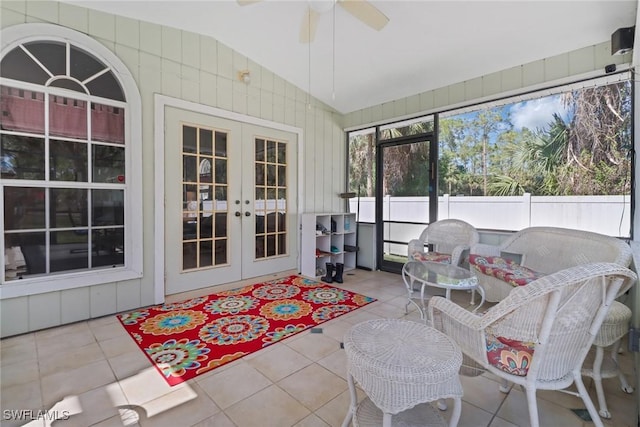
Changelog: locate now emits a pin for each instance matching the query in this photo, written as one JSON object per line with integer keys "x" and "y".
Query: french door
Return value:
{"x": 230, "y": 200}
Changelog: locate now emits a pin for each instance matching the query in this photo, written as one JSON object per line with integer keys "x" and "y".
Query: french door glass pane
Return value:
{"x": 270, "y": 198}
{"x": 204, "y": 198}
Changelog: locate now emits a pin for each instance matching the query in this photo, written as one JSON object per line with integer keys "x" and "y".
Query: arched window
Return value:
{"x": 66, "y": 156}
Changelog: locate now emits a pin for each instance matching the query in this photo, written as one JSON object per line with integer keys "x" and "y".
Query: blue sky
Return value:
{"x": 537, "y": 113}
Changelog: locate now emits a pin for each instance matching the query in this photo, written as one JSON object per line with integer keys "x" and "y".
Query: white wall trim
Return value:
{"x": 18, "y": 34}
{"x": 160, "y": 103}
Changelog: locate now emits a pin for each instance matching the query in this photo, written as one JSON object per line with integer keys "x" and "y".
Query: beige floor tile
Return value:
{"x": 70, "y": 358}
{"x": 19, "y": 373}
{"x": 313, "y": 386}
{"x": 18, "y": 349}
{"x": 334, "y": 411}
{"x": 78, "y": 328}
{"x": 218, "y": 420}
{"x": 359, "y": 316}
{"x": 52, "y": 343}
{"x": 515, "y": 410}
{"x": 565, "y": 400}
{"x": 414, "y": 316}
{"x": 91, "y": 407}
{"x": 336, "y": 362}
{"x": 383, "y": 309}
{"x": 187, "y": 413}
{"x": 234, "y": 384}
{"x": 104, "y": 320}
{"x": 471, "y": 415}
{"x": 312, "y": 421}
{"x": 75, "y": 381}
{"x": 278, "y": 363}
{"x": 482, "y": 393}
{"x": 22, "y": 339}
{"x": 271, "y": 407}
{"x": 381, "y": 295}
{"x": 261, "y": 352}
{"x": 400, "y": 301}
{"x": 622, "y": 408}
{"x": 148, "y": 385}
{"x": 118, "y": 421}
{"x": 336, "y": 328}
{"x": 24, "y": 396}
{"x": 118, "y": 345}
{"x": 314, "y": 346}
{"x": 499, "y": 422}
{"x": 230, "y": 365}
{"x": 105, "y": 331}
{"x": 127, "y": 364}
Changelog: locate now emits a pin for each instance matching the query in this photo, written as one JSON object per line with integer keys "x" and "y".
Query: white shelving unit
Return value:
{"x": 335, "y": 245}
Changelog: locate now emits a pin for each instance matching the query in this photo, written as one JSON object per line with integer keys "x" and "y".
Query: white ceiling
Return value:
{"x": 425, "y": 45}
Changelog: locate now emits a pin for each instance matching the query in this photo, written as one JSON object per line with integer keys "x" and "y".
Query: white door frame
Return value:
{"x": 162, "y": 101}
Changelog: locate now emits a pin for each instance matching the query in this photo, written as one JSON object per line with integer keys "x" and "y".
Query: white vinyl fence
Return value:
{"x": 608, "y": 215}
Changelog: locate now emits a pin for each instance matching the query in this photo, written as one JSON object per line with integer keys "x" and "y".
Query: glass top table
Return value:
{"x": 437, "y": 275}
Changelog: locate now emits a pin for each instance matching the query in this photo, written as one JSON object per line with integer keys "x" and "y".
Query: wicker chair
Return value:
{"x": 449, "y": 239}
{"x": 539, "y": 335}
{"x": 545, "y": 250}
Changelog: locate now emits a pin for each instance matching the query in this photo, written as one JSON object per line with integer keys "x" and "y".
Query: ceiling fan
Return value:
{"x": 361, "y": 9}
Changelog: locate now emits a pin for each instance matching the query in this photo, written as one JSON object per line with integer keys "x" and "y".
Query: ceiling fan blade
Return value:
{"x": 308, "y": 26}
{"x": 366, "y": 12}
{"x": 247, "y": 2}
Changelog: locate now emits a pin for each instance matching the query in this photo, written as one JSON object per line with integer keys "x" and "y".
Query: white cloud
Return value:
{"x": 538, "y": 113}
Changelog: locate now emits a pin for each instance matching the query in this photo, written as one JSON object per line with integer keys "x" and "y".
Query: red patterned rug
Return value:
{"x": 188, "y": 338}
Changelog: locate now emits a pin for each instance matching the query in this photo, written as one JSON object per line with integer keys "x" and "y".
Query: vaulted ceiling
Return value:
{"x": 425, "y": 44}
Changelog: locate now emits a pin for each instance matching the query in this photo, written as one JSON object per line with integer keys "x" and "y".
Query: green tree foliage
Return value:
{"x": 362, "y": 164}
{"x": 584, "y": 151}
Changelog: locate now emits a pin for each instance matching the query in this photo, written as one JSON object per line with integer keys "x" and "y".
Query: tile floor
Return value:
{"x": 94, "y": 371}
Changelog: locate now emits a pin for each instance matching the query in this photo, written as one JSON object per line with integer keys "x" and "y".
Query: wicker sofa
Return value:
{"x": 538, "y": 251}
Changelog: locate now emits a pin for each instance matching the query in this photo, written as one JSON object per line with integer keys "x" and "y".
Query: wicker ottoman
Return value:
{"x": 401, "y": 365}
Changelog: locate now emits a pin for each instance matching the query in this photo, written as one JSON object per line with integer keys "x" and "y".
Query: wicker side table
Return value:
{"x": 614, "y": 327}
{"x": 400, "y": 365}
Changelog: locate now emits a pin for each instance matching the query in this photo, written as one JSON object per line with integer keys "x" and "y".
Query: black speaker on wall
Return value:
{"x": 622, "y": 40}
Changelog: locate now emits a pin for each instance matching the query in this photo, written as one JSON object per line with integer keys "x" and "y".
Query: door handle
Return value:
{"x": 238, "y": 213}
{"x": 247, "y": 213}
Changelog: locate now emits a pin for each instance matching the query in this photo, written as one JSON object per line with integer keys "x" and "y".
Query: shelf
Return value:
{"x": 315, "y": 249}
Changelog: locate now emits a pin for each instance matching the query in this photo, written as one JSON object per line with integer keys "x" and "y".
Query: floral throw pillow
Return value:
{"x": 432, "y": 256}
{"x": 511, "y": 356}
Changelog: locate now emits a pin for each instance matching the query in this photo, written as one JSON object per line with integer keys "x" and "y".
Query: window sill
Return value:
{"x": 60, "y": 282}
